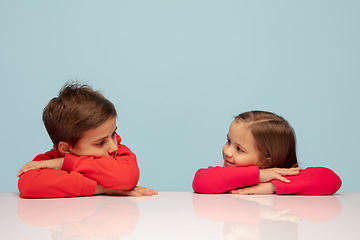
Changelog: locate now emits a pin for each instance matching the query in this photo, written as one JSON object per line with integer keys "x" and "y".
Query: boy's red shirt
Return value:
{"x": 80, "y": 175}
{"x": 310, "y": 181}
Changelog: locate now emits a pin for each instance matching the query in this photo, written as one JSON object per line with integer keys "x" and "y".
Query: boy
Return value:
{"x": 87, "y": 157}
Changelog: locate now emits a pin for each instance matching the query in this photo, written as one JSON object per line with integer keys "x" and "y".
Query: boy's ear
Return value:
{"x": 64, "y": 148}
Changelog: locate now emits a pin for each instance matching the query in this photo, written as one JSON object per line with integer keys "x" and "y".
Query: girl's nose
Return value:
{"x": 227, "y": 151}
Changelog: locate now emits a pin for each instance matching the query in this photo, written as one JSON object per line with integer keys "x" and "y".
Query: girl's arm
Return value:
{"x": 310, "y": 181}
{"x": 223, "y": 179}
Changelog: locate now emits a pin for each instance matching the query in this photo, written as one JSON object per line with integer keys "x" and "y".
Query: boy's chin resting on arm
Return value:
{"x": 137, "y": 191}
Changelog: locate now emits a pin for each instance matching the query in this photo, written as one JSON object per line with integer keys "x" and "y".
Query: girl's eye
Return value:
{"x": 227, "y": 139}
{"x": 239, "y": 149}
{"x": 113, "y": 135}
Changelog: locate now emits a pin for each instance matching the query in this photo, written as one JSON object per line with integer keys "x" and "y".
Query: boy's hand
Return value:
{"x": 260, "y": 189}
{"x": 266, "y": 175}
{"x": 135, "y": 192}
{"x": 138, "y": 192}
{"x": 51, "y": 164}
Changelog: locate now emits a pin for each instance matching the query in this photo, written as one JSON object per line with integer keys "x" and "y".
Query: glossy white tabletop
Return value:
{"x": 182, "y": 215}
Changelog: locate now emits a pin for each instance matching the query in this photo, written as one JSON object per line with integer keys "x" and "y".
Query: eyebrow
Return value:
{"x": 100, "y": 139}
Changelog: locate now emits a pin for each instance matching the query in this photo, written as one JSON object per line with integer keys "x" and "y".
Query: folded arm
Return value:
{"x": 310, "y": 181}
{"x": 49, "y": 183}
{"x": 223, "y": 179}
{"x": 118, "y": 173}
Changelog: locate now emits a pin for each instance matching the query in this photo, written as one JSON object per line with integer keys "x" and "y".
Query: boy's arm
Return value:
{"x": 223, "y": 179}
{"x": 118, "y": 173}
{"x": 49, "y": 183}
{"x": 310, "y": 181}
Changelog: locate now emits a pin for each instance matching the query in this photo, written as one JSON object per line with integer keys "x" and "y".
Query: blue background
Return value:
{"x": 178, "y": 71}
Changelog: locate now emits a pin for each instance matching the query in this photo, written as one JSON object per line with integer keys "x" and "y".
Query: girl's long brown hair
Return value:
{"x": 274, "y": 136}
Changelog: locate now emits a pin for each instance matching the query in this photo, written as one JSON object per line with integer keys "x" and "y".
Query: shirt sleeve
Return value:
{"x": 119, "y": 173}
{"x": 223, "y": 179}
{"x": 310, "y": 181}
{"x": 49, "y": 183}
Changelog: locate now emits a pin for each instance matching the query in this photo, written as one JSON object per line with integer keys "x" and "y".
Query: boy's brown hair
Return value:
{"x": 77, "y": 109}
{"x": 274, "y": 136}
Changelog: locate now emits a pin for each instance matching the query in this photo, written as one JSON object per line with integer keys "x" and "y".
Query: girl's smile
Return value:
{"x": 240, "y": 150}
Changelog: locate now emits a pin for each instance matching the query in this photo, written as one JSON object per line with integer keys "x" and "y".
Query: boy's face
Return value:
{"x": 98, "y": 142}
{"x": 240, "y": 150}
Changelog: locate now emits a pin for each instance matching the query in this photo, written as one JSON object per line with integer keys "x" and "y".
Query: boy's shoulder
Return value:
{"x": 51, "y": 154}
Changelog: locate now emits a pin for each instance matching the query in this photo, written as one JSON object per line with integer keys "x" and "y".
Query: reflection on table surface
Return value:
{"x": 101, "y": 217}
{"x": 265, "y": 217}
{"x": 181, "y": 215}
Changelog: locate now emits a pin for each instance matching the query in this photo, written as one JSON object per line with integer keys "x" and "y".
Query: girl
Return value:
{"x": 261, "y": 150}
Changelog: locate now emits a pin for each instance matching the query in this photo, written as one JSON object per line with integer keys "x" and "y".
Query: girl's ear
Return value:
{"x": 266, "y": 162}
{"x": 64, "y": 148}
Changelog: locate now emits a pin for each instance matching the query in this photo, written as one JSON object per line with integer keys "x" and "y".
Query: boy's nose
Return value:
{"x": 113, "y": 149}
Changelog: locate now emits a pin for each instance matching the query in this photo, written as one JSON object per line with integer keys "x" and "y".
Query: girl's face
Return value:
{"x": 240, "y": 150}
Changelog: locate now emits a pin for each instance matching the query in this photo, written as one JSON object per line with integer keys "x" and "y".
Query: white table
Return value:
{"x": 182, "y": 215}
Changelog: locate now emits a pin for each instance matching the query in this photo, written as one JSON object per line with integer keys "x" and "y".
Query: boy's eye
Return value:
{"x": 100, "y": 143}
{"x": 227, "y": 139}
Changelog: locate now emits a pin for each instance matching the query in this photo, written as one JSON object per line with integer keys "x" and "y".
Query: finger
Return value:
{"x": 283, "y": 179}
{"x": 151, "y": 192}
{"x": 130, "y": 193}
{"x": 23, "y": 170}
{"x": 145, "y": 191}
{"x": 244, "y": 191}
{"x": 288, "y": 172}
{"x": 134, "y": 194}
{"x": 234, "y": 191}
{"x": 148, "y": 192}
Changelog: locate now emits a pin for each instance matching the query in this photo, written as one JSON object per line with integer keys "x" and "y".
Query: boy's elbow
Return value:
{"x": 26, "y": 188}
{"x": 126, "y": 183}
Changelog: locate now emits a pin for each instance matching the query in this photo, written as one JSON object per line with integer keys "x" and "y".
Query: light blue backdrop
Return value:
{"x": 178, "y": 71}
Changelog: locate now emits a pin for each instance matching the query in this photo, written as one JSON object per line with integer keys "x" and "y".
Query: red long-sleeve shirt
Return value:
{"x": 310, "y": 181}
{"x": 80, "y": 174}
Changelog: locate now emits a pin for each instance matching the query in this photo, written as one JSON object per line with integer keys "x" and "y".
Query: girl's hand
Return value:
{"x": 260, "y": 189}
{"x": 266, "y": 175}
{"x": 51, "y": 164}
